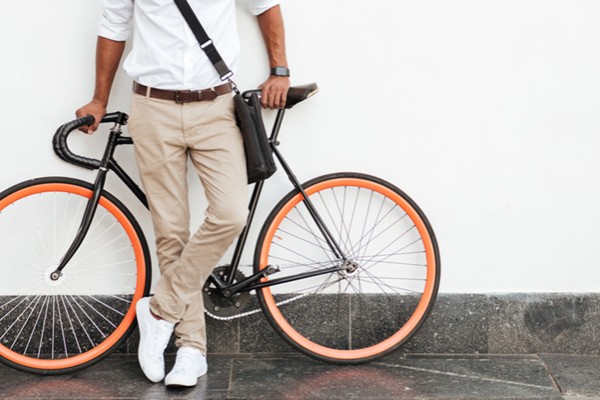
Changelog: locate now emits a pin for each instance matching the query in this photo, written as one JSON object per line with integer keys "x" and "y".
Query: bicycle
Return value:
{"x": 346, "y": 267}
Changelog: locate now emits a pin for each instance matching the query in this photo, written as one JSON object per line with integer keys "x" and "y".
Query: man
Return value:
{"x": 182, "y": 109}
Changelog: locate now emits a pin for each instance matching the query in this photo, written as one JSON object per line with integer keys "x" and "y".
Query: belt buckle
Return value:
{"x": 178, "y": 98}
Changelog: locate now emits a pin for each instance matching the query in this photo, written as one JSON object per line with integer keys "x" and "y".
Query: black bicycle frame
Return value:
{"x": 224, "y": 284}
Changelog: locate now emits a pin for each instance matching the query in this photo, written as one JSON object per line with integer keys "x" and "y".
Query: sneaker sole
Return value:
{"x": 182, "y": 383}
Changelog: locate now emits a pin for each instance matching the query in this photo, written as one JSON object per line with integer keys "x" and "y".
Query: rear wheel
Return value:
{"x": 57, "y": 326}
{"x": 380, "y": 295}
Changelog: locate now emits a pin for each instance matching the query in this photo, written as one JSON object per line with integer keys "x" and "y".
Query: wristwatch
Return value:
{"x": 280, "y": 71}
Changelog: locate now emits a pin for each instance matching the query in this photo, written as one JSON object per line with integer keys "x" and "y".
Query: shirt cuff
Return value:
{"x": 258, "y": 7}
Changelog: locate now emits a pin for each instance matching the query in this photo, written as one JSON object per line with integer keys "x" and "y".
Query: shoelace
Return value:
{"x": 161, "y": 339}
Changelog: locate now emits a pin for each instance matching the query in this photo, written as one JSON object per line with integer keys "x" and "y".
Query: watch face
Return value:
{"x": 280, "y": 71}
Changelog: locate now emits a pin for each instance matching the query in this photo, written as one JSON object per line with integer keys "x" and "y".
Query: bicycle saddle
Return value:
{"x": 297, "y": 94}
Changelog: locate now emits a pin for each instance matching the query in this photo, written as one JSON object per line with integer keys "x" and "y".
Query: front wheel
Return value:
{"x": 379, "y": 296}
{"x": 56, "y": 326}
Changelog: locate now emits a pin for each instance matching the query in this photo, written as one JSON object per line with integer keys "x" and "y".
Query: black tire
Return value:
{"x": 54, "y": 327}
{"x": 378, "y": 300}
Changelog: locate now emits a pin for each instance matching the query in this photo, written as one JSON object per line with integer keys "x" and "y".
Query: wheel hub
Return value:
{"x": 52, "y": 278}
{"x": 350, "y": 268}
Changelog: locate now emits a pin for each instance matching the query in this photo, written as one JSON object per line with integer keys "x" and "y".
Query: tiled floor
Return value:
{"x": 292, "y": 376}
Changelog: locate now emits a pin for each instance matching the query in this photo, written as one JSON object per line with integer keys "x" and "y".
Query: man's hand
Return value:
{"x": 95, "y": 108}
{"x": 274, "y": 92}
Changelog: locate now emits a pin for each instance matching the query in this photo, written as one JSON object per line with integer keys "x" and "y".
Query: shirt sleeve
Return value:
{"x": 115, "y": 21}
{"x": 258, "y": 7}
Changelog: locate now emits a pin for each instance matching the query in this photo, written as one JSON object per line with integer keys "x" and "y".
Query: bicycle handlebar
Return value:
{"x": 61, "y": 148}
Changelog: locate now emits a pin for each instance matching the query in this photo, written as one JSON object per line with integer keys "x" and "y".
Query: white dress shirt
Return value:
{"x": 165, "y": 52}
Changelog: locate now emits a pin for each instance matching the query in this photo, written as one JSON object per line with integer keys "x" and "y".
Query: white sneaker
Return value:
{"x": 154, "y": 338}
{"x": 189, "y": 366}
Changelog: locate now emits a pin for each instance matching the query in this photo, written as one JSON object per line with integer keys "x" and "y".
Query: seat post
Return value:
{"x": 277, "y": 126}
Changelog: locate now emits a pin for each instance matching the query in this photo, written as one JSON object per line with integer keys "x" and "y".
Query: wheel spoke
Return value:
{"x": 372, "y": 238}
{"x": 326, "y": 251}
{"x": 70, "y": 319}
{"x": 295, "y": 264}
{"x": 372, "y": 259}
{"x": 18, "y": 335}
{"x": 47, "y": 305}
{"x": 85, "y": 331}
{"x": 33, "y": 331}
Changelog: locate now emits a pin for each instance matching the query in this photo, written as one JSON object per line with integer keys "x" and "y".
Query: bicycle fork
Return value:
{"x": 92, "y": 205}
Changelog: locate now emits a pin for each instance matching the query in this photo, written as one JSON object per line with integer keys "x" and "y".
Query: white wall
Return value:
{"x": 485, "y": 111}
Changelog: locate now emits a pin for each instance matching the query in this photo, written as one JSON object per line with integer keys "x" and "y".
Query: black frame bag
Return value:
{"x": 259, "y": 156}
{"x": 260, "y": 164}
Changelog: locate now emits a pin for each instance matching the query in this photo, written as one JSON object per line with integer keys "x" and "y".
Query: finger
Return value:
{"x": 266, "y": 96}
{"x": 271, "y": 101}
{"x": 282, "y": 96}
{"x": 276, "y": 100}
{"x": 268, "y": 100}
{"x": 78, "y": 115}
{"x": 89, "y": 129}
{"x": 94, "y": 127}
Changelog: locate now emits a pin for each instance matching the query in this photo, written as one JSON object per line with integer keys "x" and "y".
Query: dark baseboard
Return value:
{"x": 458, "y": 324}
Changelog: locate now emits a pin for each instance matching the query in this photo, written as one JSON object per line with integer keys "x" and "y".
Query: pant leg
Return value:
{"x": 161, "y": 154}
{"x": 216, "y": 149}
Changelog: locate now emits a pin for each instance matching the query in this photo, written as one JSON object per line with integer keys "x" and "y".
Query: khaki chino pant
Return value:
{"x": 165, "y": 135}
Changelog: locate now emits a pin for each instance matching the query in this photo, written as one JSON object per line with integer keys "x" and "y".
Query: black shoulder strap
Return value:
{"x": 205, "y": 42}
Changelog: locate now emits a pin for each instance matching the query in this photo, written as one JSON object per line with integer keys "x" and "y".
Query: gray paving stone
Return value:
{"x": 409, "y": 378}
{"x": 478, "y": 377}
{"x": 576, "y": 375}
{"x": 296, "y": 377}
{"x": 117, "y": 377}
{"x": 580, "y": 398}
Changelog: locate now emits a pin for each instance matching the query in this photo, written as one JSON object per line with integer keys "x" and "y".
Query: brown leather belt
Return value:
{"x": 183, "y": 96}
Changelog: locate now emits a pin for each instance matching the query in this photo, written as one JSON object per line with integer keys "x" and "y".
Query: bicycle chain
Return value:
{"x": 247, "y": 313}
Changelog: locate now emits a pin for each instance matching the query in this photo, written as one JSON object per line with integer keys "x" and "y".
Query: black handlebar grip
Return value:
{"x": 59, "y": 143}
